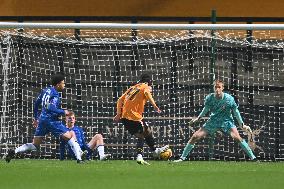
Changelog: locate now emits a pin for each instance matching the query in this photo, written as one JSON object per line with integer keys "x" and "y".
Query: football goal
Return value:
{"x": 101, "y": 60}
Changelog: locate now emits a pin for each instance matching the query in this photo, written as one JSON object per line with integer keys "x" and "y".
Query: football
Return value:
{"x": 166, "y": 155}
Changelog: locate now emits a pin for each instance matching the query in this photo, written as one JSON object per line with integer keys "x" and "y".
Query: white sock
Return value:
{"x": 101, "y": 150}
{"x": 139, "y": 157}
{"x": 25, "y": 147}
{"x": 75, "y": 148}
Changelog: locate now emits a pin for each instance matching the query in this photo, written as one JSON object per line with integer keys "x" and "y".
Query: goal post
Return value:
{"x": 101, "y": 60}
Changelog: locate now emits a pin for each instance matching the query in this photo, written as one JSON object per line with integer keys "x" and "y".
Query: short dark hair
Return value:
{"x": 145, "y": 77}
{"x": 57, "y": 78}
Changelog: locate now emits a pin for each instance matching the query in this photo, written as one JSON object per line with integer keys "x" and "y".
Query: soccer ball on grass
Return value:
{"x": 166, "y": 155}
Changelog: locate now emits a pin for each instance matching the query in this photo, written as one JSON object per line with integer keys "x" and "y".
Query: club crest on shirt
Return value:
{"x": 54, "y": 101}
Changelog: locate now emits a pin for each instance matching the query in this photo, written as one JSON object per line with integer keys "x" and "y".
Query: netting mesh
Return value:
{"x": 100, "y": 64}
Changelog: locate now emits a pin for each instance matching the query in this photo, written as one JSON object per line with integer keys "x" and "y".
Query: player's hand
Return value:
{"x": 66, "y": 112}
{"x": 193, "y": 121}
{"x": 35, "y": 123}
{"x": 158, "y": 109}
{"x": 116, "y": 118}
{"x": 246, "y": 128}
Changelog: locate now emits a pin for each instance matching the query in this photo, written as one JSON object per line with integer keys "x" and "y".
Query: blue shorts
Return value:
{"x": 212, "y": 126}
{"x": 46, "y": 125}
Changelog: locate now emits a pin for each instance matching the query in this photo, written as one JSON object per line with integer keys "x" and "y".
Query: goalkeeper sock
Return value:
{"x": 25, "y": 147}
{"x": 101, "y": 150}
{"x": 247, "y": 149}
{"x": 186, "y": 150}
{"x": 75, "y": 148}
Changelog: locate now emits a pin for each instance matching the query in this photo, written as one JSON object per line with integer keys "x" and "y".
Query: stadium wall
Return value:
{"x": 177, "y": 8}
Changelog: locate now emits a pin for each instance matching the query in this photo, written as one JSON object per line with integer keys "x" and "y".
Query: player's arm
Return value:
{"x": 82, "y": 137}
{"x": 149, "y": 97}
{"x": 119, "y": 105}
{"x": 204, "y": 111}
{"x": 53, "y": 107}
{"x": 86, "y": 147}
{"x": 36, "y": 107}
{"x": 238, "y": 116}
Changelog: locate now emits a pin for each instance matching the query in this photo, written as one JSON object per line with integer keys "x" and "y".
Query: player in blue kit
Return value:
{"x": 95, "y": 143}
{"x": 221, "y": 105}
{"x": 48, "y": 120}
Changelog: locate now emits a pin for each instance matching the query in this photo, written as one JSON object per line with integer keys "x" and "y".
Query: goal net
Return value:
{"x": 101, "y": 63}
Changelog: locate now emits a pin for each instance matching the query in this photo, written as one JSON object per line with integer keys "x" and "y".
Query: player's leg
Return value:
{"x": 23, "y": 148}
{"x": 149, "y": 139}
{"x": 30, "y": 146}
{"x": 139, "y": 149}
{"x": 71, "y": 154}
{"x": 39, "y": 133}
{"x": 135, "y": 128}
{"x": 73, "y": 135}
{"x": 200, "y": 133}
{"x": 97, "y": 142}
{"x": 140, "y": 146}
{"x": 147, "y": 135}
{"x": 74, "y": 145}
{"x": 58, "y": 129}
{"x": 244, "y": 145}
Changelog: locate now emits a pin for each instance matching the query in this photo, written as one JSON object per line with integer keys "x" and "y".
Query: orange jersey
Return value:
{"x": 134, "y": 100}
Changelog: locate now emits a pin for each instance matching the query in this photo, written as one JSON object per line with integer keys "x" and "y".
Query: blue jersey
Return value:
{"x": 48, "y": 120}
{"x": 221, "y": 109}
{"x": 50, "y": 103}
{"x": 80, "y": 139}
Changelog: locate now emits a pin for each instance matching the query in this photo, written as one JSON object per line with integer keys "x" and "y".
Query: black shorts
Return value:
{"x": 134, "y": 127}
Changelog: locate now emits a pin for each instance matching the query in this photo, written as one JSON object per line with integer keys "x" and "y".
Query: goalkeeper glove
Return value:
{"x": 246, "y": 128}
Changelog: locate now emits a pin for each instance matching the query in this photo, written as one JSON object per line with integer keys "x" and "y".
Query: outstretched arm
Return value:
{"x": 204, "y": 111}
{"x": 151, "y": 100}
{"x": 238, "y": 116}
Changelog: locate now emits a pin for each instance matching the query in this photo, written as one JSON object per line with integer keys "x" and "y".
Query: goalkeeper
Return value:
{"x": 220, "y": 105}
{"x": 96, "y": 143}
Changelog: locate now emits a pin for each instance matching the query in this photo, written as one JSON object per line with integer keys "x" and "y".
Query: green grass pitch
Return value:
{"x": 116, "y": 174}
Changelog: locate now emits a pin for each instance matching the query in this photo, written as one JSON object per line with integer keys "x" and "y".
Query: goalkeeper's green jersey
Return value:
{"x": 221, "y": 109}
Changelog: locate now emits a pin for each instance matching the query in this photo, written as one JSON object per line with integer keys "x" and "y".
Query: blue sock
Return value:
{"x": 247, "y": 149}
{"x": 186, "y": 150}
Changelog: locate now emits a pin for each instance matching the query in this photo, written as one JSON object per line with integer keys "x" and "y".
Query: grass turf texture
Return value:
{"x": 115, "y": 174}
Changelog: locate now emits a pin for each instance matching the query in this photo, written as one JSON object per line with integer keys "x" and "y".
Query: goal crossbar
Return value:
{"x": 6, "y": 25}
